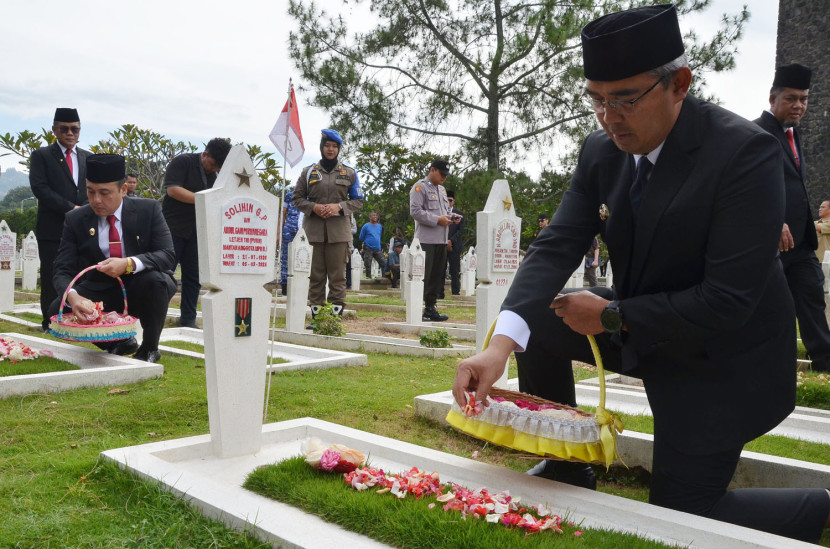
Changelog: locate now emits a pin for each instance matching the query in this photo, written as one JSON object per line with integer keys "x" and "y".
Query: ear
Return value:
{"x": 681, "y": 80}
{"x": 771, "y": 99}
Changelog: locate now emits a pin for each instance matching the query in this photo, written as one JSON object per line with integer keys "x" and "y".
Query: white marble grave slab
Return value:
{"x": 188, "y": 468}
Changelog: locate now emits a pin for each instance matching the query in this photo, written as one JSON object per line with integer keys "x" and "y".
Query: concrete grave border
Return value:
{"x": 369, "y": 344}
{"x": 187, "y": 468}
{"x": 98, "y": 369}
{"x": 299, "y": 357}
{"x": 755, "y": 470}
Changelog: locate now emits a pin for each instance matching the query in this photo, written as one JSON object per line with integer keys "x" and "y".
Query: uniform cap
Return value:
{"x": 792, "y": 76}
{"x": 627, "y": 43}
{"x": 105, "y": 168}
{"x": 332, "y": 135}
{"x": 63, "y": 114}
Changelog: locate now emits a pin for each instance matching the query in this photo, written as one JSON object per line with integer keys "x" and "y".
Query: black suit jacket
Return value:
{"x": 710, "y": 322}
{"x": 52, "y": 184}
{"x": 798, "y": 214}
{"x": 144, "y": 233}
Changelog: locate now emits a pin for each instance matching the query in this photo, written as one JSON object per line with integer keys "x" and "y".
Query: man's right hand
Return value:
{"x": 479, "y": 372}
{"x": 787, "y": 241}
{"x": 444, "y": 220}
{"x": 81, "y": 306}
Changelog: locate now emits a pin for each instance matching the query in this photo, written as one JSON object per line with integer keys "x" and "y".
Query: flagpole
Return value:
{"x": 279, "y": 247}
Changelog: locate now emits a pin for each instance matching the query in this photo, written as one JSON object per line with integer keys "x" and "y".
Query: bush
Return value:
{"x": 436, "y": 339}
{"x": 326, "y": 322}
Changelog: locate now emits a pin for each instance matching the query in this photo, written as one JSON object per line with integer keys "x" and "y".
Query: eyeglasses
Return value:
{"x": 625, "y": 106}
{"x": 69, "y": 129}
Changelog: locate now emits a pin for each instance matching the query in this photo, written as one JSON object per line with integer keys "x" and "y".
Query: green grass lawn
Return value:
{"x": 56, "y": 493}
{"x": 40, "y": 365}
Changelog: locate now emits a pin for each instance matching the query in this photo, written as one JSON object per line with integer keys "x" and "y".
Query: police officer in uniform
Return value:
{"x": 429, "y": 207}
{"x": 327, "y": 192}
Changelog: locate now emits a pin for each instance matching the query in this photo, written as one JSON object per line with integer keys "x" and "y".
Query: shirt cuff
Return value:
{"x": 513, "y": 326}
{"x": 139, "y": 266}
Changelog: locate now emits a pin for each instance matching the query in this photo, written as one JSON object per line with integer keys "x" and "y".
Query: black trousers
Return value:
{"x": 806, "y": 282}
{"x": 691, "y": 483}
{"x": 148, "y": 296}
{"x": 47, "y": 251}
{"x": 454, "y": 263}
{"x": 435, "y": 269}
{"x": 187, "y": 255}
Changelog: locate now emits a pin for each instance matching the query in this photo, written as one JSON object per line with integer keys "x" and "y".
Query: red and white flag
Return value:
{"x": 286, "y": 135}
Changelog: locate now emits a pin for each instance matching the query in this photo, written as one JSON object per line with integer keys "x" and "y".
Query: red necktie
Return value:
{"x": 115, "y": 238}
{"x": 792, "y": 146}
{"x": 69, "y": 161}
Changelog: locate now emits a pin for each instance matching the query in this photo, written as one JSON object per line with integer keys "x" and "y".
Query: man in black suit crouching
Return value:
{"x": 57, "y": 175}
{"x": 689, "y": 198}
{"x": 126, "y": 238}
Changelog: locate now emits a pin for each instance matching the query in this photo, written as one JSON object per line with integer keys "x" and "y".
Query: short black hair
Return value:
{"x": 132, "y": 175}
{"x": 218, "y": 149}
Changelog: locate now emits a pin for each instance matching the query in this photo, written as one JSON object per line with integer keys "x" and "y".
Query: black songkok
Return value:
{"x": 105, "y": 168}
{"x": 627, "y": 43}
{"x": 792, "y": 76}
{"x": 66, "y": 115}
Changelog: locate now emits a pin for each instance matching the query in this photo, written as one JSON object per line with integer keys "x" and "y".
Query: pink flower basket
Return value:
{"x": 118, "y": 326}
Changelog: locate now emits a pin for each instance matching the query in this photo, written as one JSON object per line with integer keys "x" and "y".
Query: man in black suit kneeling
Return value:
{"x": 127, "y": 239}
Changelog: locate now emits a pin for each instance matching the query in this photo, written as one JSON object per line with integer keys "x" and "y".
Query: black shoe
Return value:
{"x": 148, "y": 356}
{"x": 576, "y": 474}
{"x": 124, "y": 347}
{"x": 188, "y": 324}
{"x": 431, "y": 314}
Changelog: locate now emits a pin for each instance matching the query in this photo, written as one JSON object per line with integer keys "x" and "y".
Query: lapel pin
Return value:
{"x": 604, "y": 212}
{"x": 91, "y": 232}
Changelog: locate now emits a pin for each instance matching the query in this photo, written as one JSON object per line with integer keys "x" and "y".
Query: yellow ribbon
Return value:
{"x": 609, "y": 422}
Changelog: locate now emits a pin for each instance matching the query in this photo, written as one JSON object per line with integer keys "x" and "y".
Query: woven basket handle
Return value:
{"x": 594, "y": 349}
{"x": 74, "y": 280}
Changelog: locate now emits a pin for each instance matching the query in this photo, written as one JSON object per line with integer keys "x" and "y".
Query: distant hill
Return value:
{"x": 12, "y": 178}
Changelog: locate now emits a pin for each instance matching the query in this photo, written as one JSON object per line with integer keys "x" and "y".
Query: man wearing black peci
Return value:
{"x": 788, "y": 103}
{"x": 127, "y": 239}
{"x": 668, "y": 176}
{"x": 57, "y": 175}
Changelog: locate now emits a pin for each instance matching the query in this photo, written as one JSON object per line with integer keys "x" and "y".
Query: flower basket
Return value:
{"x": 122, "y": 325}
{"x": 555, "y": 431}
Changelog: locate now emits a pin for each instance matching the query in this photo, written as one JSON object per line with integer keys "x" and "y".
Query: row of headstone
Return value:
{"x": 468, "y": 273}
{"x": 577, "y": 278}
{"x": 375, "y": 269}
{"x": 404, "y": 271}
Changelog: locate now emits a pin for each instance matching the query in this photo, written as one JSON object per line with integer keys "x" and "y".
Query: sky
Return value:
{"x": 193, "y": 70}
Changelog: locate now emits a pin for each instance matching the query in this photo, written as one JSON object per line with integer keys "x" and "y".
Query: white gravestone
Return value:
{"x": 300, "y": 252}
{"x": 465, "y": 264}
{"x": 825, "y": 268}
{"x": 609, "y": 275}
{"x": 30, "y": 261}
{"x": 357, "y": 270}
{"x": 497, "y": 238}
{"x": 404, "y": 271}
{"x": 416, "y": 268}
{"x": 375, "y": 269}
{"x": 8, "y": 249}
{"x": 470, "y": 274}
{"x": 236, "y": 223}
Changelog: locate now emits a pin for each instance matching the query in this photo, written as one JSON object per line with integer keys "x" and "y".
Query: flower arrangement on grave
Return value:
{"x": 14, "y": 351}
{"x": 532, "y": 424}
{"x": 500, "y": 508}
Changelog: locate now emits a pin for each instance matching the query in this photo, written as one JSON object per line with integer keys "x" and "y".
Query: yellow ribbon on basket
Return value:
{"x": 603, "y": 451}
{"x": 608, "y": 421}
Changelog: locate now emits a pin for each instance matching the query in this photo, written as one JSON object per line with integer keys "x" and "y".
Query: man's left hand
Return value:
{"x": 581, "y": 311}
{"x": 113, "y": 266}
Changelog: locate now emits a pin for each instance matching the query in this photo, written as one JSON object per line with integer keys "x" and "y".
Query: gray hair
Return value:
{"x": 669, "y": 68}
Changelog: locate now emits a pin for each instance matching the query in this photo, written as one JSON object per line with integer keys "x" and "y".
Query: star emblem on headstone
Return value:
{"x": 507, "y": 203}
{"x": 242, "y": 327}
{"x": 302, "y": 239}
{"x": 244, "y": 177}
